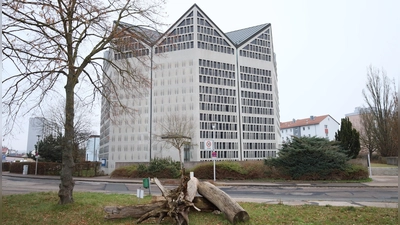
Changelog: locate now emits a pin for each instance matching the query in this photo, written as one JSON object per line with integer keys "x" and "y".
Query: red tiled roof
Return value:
{"x": 4, "y": 150}
{"x": 303, "y": 122}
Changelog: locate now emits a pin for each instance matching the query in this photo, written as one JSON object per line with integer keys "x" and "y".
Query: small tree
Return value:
{"x": 367, "y": 137}
{"x": 177, "y": 131}
{"x": 309, "y": 156}
{"x": 349, "y": 138}
{"x": 50, "y": 149}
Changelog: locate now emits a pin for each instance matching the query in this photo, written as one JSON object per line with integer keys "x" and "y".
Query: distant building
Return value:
{"x": 39, "y": 127}
{"x": 320, "y": 126}
{"x": 355, "y": 118}
{"x": 92, "y": 148}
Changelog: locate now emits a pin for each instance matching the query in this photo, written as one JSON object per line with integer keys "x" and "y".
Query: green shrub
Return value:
{"x": 308, "y": 158}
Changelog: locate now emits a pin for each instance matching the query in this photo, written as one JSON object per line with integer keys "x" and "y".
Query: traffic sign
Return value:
{"x": 208, "y": 145}
{"x": 214, "y": 154}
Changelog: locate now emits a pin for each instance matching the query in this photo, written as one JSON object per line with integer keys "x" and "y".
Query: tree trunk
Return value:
{"x": 232, "y": 210}
{"x": 67, "y": 183}
{"x": 137, "y": 211}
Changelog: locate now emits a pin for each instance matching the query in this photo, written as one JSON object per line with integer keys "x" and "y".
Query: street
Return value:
{"x": 358, "y": 196}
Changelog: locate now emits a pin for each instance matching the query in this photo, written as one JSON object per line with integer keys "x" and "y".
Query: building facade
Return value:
{"x": 319, "y": 126}
{"x": 39, "y": 128}
{"x": 226, "y": 83}
{"x": 92, "y": 148}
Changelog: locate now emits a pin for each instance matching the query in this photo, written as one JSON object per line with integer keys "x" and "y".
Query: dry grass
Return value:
{"x": 42, "y": 208}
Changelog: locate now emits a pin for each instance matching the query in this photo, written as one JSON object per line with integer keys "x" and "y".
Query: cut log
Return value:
{"x": 232, "y": 210}
{"x": 137, "y": 211}
{"x": 134, "y": 211}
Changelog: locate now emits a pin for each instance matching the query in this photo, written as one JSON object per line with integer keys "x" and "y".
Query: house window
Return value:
{"x": 304, "y": 128}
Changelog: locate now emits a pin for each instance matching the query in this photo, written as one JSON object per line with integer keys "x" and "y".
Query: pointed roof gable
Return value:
{"x": 303, "y": 122}
{"x": 240, "y": 36}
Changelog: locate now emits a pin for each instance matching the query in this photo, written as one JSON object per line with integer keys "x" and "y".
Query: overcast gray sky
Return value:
{"x": 323, "y": 48}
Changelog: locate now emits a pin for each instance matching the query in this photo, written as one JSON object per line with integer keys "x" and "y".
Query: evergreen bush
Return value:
{"x": 309, "y": 158}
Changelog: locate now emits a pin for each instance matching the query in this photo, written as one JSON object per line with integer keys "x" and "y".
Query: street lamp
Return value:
{"x": 37, "y": 153}
{"x": 214, "y": 154}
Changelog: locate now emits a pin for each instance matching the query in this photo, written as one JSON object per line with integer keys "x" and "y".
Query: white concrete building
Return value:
{"x": 320, "y": 126}
{"x": 92, "y": 148}
{"x": 39, "y": 128}
{"x": 226, "y": 81}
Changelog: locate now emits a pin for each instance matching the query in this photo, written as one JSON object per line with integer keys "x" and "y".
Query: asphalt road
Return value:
{"x": 381, "y": 197}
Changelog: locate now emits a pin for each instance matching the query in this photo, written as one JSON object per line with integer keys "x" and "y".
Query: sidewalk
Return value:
{"x": 377, "y": 181}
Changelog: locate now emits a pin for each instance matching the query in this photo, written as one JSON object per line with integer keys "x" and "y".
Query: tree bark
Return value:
{"x": 232, "y": 210}
{"x": 67, "y": 183}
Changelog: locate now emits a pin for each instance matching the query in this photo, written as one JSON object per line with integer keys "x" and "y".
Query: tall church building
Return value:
{"x": 226, "y": 83}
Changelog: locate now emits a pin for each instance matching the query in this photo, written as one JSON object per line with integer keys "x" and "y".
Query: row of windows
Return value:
{"x": 252, "y": 145}
{"x": 257, "y": 95}
{"x": 220, "y": 154}
{"x": 137, "y": 156}
{"x": 255, "y": 110}
{"x": 174, "y": 47}
{"x": 217, "y": 107}
{"x": 170, "y": 91}
{"x": 260, "y": 103}
{"x": 259, "y": 49}
{"x": 178, "y": 38}
{"x": 212, "y": 39}
{"x": 204, "y": 22}
{"x": 255, "y": 86}
{"x": 255, "y": 78}
{"x": 257, "y": 127}
{"x": 255, "y": 71}
{"x": 176, "y": 108}
{"x": 217, "y": 73}
{"x": 217, "y": 99}
{"x": 218, "y": 126}
{"x": 136, "y": 53}
{"x": 255, "y": 55}
{"x": 259, "y": 136}
{"x": 187, "y": 21}
{"x": 217, "y": 91}
{"x": 215, "y": 47}
{"x": 257, "y": 120}
{"x": 215, "y": 80}
{"x": 222, "y": 145}
{"x": 216, "y": 65}
{"x": 217, "y": 118}
{"x": 259, "y": 154}
{"x": 219, "y": 135}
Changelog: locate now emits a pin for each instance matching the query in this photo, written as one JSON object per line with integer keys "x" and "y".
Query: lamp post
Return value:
{"x": 214, "y": 153}
{"x": 37, "y": 153}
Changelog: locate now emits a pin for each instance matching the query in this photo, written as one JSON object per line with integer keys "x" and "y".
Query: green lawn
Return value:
{"x": 382, "y": 165}
{"x": 42, "y": 208}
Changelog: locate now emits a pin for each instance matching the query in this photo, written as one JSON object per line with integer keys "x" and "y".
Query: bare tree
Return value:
{"x": 177, "y": 131}
{"x": 367, "y": 137}
{"x": 55, "y": 119}
{"x": 58, "y": 42}
{"x": 379, "y": 118}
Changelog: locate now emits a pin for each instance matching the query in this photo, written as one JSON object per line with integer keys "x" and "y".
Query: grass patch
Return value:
{"x": 42, "y": 208}
{"x": 382, "y": 165}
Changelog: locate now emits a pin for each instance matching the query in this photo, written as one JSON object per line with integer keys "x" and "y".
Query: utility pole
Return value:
{"x": 37, "y": 153}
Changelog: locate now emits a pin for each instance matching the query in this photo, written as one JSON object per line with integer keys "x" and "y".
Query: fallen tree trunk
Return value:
{"x": 232, "y": 210}
{"x": 137, "y": 211}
